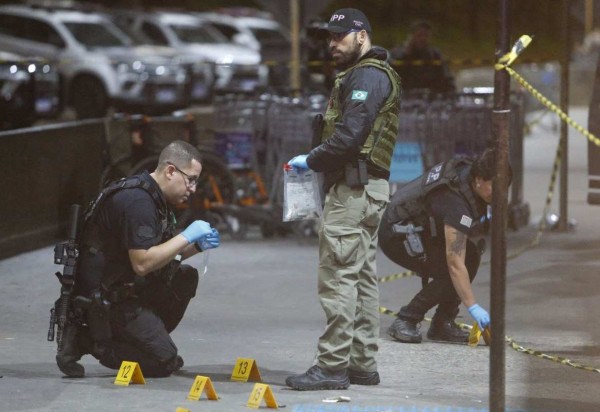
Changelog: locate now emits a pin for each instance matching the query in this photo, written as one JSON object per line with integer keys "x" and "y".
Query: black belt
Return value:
{"x": 121, "y": 293}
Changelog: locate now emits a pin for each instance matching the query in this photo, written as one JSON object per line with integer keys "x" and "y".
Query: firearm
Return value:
{"x": 413, "y": 243}
{"x": 66, "y": 254}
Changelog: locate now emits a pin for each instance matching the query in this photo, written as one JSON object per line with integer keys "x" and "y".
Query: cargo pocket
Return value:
{"x": 343, "y": 243}
{"x": 376, "y": 203}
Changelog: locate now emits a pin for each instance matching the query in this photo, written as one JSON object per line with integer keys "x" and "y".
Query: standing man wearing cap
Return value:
{"x": 357, "y": 141}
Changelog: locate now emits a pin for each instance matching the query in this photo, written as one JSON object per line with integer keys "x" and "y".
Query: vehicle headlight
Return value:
{"x": 129, "y": 67}
{"x": 13, "y": 71}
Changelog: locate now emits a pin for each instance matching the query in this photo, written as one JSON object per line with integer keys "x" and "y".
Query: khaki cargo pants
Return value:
{"x": 348, "y": 288}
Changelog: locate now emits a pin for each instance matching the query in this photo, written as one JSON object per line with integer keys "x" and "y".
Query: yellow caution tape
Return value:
{"x": 512, "y": 55}
{"x": 565, "y": 117}
{"x": 467, "y": 62}
{"x": 519, "y": 348}
{"x": 504, "y": 64}
{"x": 396, "y": 276}
{"x": 557, "y": 359}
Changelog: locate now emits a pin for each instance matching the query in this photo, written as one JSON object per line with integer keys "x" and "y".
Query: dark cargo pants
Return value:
{"x": 439, "y": 291}
{"x": 141, "y": 327}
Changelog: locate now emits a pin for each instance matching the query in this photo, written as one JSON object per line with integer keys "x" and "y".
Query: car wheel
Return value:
{"x": 89, "y": 98}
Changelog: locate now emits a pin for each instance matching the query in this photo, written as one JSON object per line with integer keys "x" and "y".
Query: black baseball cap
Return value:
{"x": 344, "y": 20}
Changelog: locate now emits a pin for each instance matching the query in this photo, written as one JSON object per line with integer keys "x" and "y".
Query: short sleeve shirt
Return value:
{"x": 129, "y": 219}
{"x": 450, "y": 208}
{"x": 447, "y": 208}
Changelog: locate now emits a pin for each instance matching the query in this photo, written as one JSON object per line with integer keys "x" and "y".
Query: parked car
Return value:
{"x": 29, "y": 90}
{"x": 264, "y": 35}
{"x": 96, "y": 61}
{"x": 254, "y": 32}
{"x": 236, "y": 68}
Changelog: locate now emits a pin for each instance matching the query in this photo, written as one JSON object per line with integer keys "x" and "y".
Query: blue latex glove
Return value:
{"x": 480, "y": 315}
{"x": 210, "y": 241}
{"x": 196, "y": 231}
{"x": 299, "y": 162}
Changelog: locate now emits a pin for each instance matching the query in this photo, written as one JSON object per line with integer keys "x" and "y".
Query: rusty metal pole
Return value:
{"x": 564, "y": 127}
{"x": 295, "y": 85}
{"x": 501, "y": 126}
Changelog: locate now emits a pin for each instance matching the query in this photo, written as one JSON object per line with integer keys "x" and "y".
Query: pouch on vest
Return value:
{"x": 356, "y": 173}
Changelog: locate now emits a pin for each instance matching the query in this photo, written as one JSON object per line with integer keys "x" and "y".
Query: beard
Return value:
{"x": 348, "y": 58}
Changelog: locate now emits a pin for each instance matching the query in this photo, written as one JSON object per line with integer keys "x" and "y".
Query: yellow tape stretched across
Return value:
{"x": 542, "y": 99}
{"x": 519, "y": 348}
{"x": 402, "y": 275}
{"x": 504, "y": 64}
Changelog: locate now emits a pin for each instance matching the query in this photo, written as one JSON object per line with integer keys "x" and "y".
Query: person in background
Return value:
{"x": 421, "y": 66}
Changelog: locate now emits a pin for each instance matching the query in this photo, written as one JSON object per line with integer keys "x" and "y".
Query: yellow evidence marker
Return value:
{"x": 180, "y": 409}
{"x": 476, "y": 333}
{"x": 245, "y": 369}
{"x": 130, "y": 372}
{"x": 259, "y": 392}
{"x": 201, "y": 383}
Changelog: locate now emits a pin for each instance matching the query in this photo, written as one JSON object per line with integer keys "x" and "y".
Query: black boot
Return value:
{"x": 317, "y": 378}
{"x": 406, "y": 331}
{"x": 71, "y": 351}
{"x": 363, "y": 378}
{"x": 446, "y": 330}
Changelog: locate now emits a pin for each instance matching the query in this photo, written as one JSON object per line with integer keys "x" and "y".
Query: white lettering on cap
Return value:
{"x": 337, "y": 17}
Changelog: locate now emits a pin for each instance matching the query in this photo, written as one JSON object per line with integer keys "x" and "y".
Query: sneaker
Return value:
{"x": 317, "y": 378}
{"x": 363, "y": 378}
{"x": 447, "y": 331}
{"x": 405, "y": 331}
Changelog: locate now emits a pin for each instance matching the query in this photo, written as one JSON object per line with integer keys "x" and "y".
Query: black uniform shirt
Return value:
{"x": 130, "y": 219}
{"x": 448, "y": 208}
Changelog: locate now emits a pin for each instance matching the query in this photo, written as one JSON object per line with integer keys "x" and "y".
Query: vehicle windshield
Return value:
{"x": 95, "y": 35}
{"x": 197, "y": 34}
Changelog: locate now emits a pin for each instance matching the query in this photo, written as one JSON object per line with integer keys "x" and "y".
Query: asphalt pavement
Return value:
{"x": 258, "y": 300}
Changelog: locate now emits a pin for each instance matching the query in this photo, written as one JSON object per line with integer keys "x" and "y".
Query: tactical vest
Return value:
{"x": 379, "y": 146}
{"x": 91, "y": 238}
{"x": 409, "y": 202}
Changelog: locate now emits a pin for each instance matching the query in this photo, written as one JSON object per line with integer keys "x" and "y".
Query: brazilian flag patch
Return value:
{"x": 359, "y": 95}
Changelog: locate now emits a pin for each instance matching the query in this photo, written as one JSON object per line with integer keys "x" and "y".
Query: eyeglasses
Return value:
{"x": 190, "y": 181}
{"x": 337, "y": 37}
